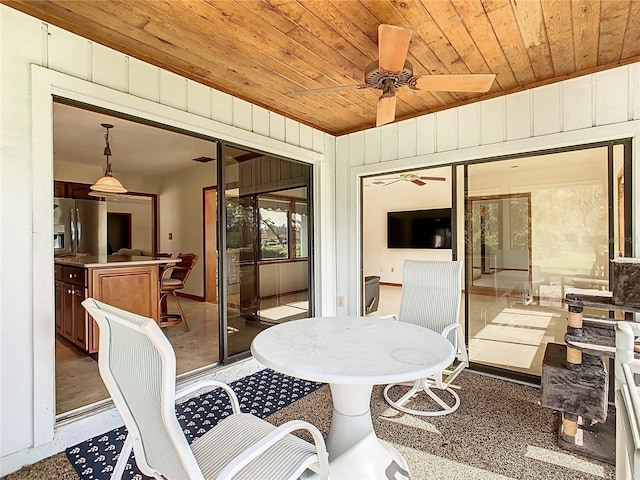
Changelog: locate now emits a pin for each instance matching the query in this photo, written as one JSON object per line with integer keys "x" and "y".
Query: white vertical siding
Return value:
{"x": 518, "y": 115}
{"x": 21, "y": 45}
{"x": 173, "y": 90}
{"x": 144, "y": 80}
{"x": 372, "y": 146}
{"x": 612, "y": 100}
{"x": 546, "y": 109}
{"x": 198, "y": 99}
{"x": 577, "y": 111}
{"x": 109, "y": 68}
{"x": 58, "y": 44}
{"x": 306, "y": 136}
{"x": 447, "y": 130}
{"x": 493, "y": 121}
{"x": 407, "y": 140}
{"x": 277, "y": 129}
{"x": 426, "y": 134}
{"x": 469, "y": 125}
{"x": 222, "y": 107}
{"x": 634, "y": 90}
{"x": 356, "y": 149}
{"x": 389, "y": 142}
{"x": 242, "y": 114}
{"x": 291, "y": 131}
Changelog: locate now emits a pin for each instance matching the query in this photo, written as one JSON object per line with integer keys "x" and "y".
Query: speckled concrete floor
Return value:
{"x": 498, "y": 433}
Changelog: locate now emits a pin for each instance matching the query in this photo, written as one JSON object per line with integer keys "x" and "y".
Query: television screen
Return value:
{"x": 419, "y": 229}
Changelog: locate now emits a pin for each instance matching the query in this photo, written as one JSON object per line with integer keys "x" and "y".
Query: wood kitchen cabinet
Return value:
{"x": 71, "y": 318}
{"x": 133, "y": 288}
{"x": 72, "y": 190}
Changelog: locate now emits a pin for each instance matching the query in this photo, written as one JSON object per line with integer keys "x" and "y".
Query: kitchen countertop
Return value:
{"x": 89, "y": 261}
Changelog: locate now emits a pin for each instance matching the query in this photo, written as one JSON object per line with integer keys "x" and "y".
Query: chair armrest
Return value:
{"x": 169, "y": 270}
{"x": 242, "y": 460}
{"x": 392, "y": 316}
{"x": 449, "y": 328}
{"x": 233, "y": 398}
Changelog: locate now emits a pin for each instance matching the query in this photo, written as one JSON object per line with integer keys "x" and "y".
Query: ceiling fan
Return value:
{"x": 392, "y": 71}
{"x": 408, "y": 177}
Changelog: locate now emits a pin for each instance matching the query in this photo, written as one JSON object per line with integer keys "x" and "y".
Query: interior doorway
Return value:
{"x": 210, "y": 244}
{"x": 118, "y": 231}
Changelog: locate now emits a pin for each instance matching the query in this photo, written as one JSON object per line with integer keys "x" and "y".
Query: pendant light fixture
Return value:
{"x": 108, "y": 183}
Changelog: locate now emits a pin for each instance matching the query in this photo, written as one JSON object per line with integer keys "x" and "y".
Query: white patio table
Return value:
{"x": 352, "y": 354}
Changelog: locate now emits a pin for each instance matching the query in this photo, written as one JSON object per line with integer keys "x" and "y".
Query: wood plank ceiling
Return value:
{"x": 261, "y": 50}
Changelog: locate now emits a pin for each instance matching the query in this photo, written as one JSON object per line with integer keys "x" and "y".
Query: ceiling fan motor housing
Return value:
{"x": 377, "y": 78}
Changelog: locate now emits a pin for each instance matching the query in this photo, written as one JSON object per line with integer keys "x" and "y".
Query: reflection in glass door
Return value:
{"x": 536, "y": 227}
{"x": 267, "y": 244}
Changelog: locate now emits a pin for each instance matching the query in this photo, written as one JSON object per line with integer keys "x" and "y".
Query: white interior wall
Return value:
{"x": 180, "y": 207}
{"x": 141, "y": 212}
{"x": 285, "y": 277}
{"x": 37, "y": 61}
{"x": 377, "y": 201}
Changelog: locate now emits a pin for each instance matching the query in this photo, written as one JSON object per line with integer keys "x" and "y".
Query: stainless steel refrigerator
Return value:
{"x": 80, "y": 226}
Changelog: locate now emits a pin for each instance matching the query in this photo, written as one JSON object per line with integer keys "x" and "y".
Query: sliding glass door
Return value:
{"x": 266, "y": 264}
{"x": 536, "y": 227}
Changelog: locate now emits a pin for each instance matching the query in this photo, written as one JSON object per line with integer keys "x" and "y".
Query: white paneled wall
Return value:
{"x": 596, "y": 107}
{"x": 603, "y": 98}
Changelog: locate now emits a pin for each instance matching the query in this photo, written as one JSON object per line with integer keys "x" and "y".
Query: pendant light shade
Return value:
{"x": 108, "y": 183}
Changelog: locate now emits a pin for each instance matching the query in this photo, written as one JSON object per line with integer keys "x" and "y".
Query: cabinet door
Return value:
{"x": 59, "y": 189}
{"x": 67, "y": 311}
{"x": 59, "y": 290}
{"x": 80, "y": 191}
{"x": 134, "y": 289}
{"x": 79, "y": 318}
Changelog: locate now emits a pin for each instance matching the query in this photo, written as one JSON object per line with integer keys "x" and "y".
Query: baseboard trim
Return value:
{"x": 389, "y": 284}
{"x": 197, "y": 298}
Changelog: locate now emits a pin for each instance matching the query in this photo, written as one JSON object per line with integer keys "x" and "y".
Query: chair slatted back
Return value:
{"x": 431, "y": 294}
{"x": 186, "y": 264}
{"x": 138, "y": 366}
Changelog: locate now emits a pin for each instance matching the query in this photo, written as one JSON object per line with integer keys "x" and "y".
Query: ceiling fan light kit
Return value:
{"x": 392, "y": 71}
{"x": 108, "y": 183}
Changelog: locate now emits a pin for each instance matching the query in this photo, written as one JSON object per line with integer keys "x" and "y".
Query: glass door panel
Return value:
{"x": 267, "y": 244}
{"x": 536, "y": 226}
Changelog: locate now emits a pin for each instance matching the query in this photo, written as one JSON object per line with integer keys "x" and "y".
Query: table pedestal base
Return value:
{"x": 354, "y": 450}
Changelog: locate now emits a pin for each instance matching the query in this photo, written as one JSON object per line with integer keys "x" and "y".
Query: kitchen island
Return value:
{"x": 130, "y": 283}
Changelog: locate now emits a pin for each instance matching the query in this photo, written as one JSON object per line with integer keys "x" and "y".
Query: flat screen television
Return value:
{"x": 419, "y": 228}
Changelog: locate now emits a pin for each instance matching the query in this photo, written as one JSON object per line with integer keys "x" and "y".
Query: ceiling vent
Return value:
{"x": 204, "y": 159}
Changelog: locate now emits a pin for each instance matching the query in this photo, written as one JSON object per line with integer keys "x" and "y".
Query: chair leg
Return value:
{"x": 184, "y": 319}
{"x": 416, "y": 387}
{"x": 123, "y": 458}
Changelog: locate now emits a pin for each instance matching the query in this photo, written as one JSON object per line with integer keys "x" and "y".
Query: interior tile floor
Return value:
{"x": 78, "y": 381}
{"x": 505, "y": 331}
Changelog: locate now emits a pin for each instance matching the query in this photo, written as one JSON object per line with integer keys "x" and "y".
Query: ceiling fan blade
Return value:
{"x": 392, "y": 182}
{"x": 325, "y": 90}
{"x": 386, "y": 110}
{"x": 393, "y": 45}
{"x": 418, "y": 182}
{"x": 480, "y": 82}
{"x": 438, "y": 179}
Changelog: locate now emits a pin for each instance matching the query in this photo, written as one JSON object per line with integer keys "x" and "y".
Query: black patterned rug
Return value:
{"x": 261, "y": 394}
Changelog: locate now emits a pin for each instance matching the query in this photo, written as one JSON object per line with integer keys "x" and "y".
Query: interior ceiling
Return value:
{"x": 260, "y": 51}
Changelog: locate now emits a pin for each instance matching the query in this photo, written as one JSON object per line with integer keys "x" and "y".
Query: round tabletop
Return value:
{"x": 352, "y": 350}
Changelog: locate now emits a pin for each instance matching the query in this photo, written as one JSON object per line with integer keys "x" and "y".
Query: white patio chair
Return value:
{"x": 431, "y": 295}
{"x": 137, "y": 364}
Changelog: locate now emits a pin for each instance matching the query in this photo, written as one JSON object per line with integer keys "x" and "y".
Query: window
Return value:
{"x": 283, "y": 228}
